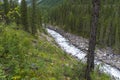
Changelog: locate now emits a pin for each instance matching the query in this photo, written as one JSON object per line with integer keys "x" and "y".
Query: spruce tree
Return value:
{"x": 24, "y": 18}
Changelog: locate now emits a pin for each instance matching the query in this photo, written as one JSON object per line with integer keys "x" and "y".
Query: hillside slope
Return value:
{"x": 24, "y": 57}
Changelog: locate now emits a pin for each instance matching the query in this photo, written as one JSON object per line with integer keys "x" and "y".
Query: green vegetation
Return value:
{"x": 75, "y": 17}
{"x": 6, "y": 10}
{"x": 33, "y": 21}
{"x": 24, "y": 16}
{"x": 24, "y": 57}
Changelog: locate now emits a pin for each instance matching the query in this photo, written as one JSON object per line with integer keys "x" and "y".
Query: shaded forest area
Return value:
{"x": 75, "y": 16}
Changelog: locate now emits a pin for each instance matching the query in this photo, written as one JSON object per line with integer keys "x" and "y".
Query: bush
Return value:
{"x": 14, "y": 48}
{"x": 14, "y": 42}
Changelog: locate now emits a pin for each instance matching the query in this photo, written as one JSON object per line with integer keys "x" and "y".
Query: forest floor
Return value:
{"x": 106, "y": 55}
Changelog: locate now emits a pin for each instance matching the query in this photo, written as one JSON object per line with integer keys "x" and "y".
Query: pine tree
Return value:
{"x": 92, "y": 41}
{"x": 13, "y": 3}
{"x": 24, "y": 18}
{"x": 39, "y": 19}
{"x": 6, "y": 10}
{"x": 33, "y": 24}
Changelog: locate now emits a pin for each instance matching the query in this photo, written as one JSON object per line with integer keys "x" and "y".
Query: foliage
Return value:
{"x": 34, "y": 17}
{"x": 14, "y": 15}
{"x": 6, "y": 10}
{"x": 14, "y": 47}
{"x": 29, "y": 16}
{"x": 24, "y": 15}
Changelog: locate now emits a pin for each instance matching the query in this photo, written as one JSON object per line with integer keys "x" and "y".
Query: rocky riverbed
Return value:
{"x": 106, "y": 55}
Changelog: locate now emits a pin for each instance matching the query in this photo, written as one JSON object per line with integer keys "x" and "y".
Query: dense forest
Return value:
{"x": 28, "y": 51}
{"x": 75, "y": 16}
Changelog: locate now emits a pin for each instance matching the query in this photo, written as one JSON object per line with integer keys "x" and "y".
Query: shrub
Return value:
{"x": 14, "y": 48}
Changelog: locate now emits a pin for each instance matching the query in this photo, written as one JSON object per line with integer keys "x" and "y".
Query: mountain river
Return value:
{"x": 74, "y": 51}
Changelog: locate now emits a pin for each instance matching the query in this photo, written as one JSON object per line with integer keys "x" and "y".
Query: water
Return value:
{"x": 71, "y": 49}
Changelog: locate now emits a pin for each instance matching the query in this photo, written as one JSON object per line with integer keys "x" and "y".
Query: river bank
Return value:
{"x": 105, "y": 55}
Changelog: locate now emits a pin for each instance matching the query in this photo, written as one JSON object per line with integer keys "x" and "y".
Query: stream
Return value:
{"x": 74, "y": 51}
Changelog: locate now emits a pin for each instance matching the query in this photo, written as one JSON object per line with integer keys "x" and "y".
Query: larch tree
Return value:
{"x": 24, "y": 19}
{"x": 92, "y": 41}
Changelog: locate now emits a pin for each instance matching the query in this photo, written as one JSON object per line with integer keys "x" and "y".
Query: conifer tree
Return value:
{"x": 6, "y": 10}
{"x": 13, "y": 3}
{"x": 33, "y": 23}
{"x": 24, "y": 18}
{"x": 92, "y": 41}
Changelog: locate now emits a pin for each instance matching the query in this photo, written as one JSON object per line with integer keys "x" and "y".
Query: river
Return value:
{"x": 74, "y": 51}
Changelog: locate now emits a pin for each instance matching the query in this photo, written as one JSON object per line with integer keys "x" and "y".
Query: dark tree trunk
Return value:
{"x": 92, "y": 41}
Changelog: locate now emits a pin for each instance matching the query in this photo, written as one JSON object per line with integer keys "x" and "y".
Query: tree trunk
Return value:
{"x": 92, "y": 41}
